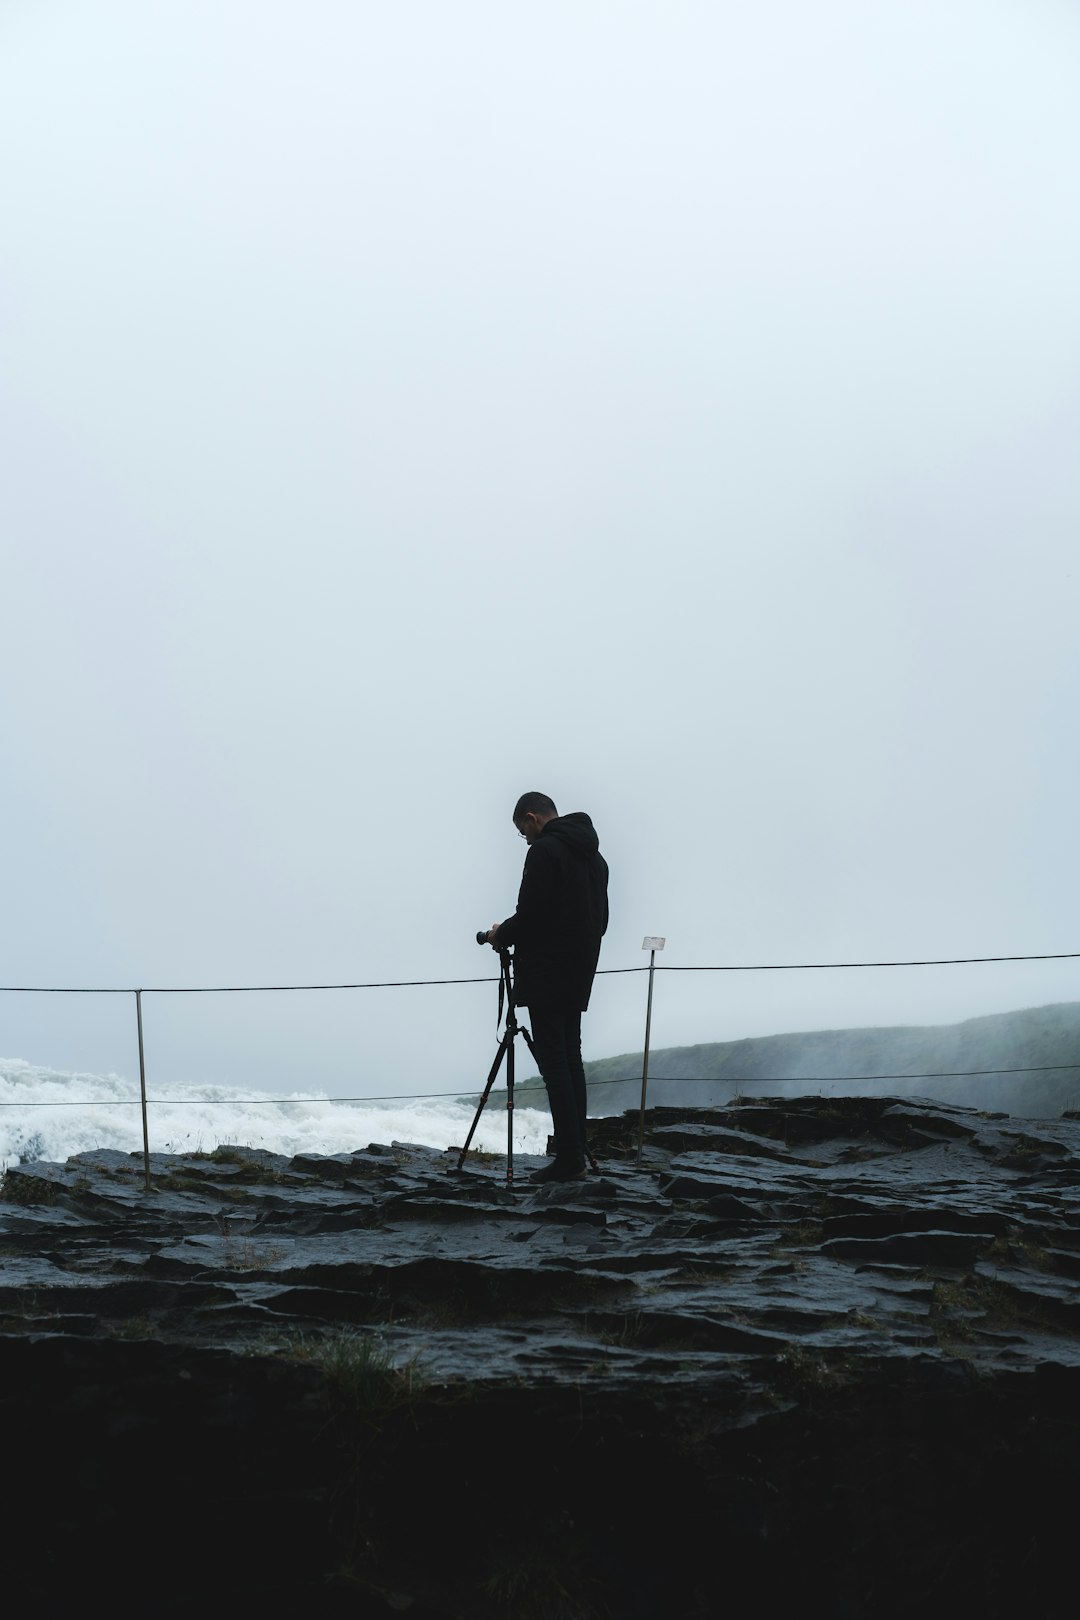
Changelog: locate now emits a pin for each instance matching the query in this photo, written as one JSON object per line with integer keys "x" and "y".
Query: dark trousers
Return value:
{"x": 556, "y": 1038}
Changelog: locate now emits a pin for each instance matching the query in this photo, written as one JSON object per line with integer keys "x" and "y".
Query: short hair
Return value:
{"x": 538, "y": 803}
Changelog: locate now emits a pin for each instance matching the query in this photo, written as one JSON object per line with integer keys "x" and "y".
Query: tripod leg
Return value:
{"x": 505, "y": 1046}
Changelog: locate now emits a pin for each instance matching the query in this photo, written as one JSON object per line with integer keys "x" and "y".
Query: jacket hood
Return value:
{"x": 577, "y": 831}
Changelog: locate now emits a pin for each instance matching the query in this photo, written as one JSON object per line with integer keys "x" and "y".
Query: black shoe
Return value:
{"x": 559, "y": 1172}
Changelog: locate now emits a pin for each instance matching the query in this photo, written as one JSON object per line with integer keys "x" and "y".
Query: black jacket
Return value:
{"x": 561, "y": 916}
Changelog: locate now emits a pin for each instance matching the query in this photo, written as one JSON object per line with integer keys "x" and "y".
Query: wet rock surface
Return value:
{"x": 825, "y": 1341}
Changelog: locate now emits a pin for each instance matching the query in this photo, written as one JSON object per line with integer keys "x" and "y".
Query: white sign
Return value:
{"x": 653, "y": 942}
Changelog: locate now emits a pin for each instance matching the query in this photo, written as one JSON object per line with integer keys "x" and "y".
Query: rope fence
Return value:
{"x": 651, "y": 969}
{"x": 396, "y": 984}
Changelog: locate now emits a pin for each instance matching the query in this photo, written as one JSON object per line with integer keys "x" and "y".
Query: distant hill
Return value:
{"x": 936, "y": 1060}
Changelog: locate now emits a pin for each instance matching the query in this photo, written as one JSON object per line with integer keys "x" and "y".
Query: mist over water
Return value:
{"x": 52, "y": 1114}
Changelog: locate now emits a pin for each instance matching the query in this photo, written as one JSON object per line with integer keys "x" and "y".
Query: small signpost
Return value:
{"x": 651, "y": 943}
{"x": 142, "y": 1093}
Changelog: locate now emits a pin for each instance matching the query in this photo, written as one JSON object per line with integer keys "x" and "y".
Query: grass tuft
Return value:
{"x": 360, "y": 1371}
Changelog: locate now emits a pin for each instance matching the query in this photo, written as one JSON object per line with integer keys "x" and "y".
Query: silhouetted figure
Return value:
{"x": 561, "y": 917}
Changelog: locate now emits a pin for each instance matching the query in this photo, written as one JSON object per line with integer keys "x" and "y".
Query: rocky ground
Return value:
{"x": 798, "y": 1351}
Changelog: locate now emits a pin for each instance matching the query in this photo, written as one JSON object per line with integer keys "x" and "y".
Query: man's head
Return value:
{"x": 532, "y": 813}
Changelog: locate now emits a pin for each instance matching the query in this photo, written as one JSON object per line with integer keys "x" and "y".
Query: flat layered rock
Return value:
{"x": 686, "y": 1371}
{"x": 977, "y": 1215}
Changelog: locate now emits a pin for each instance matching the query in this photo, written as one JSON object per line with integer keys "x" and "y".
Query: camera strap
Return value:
{"x": 506, "y": 994}
{"x": 505, "y": 967}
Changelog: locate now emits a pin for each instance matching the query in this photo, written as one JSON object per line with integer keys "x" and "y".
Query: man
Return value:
{"x": 561, "y": 917}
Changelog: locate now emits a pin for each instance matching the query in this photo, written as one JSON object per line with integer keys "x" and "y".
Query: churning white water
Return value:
{"x": 54, "y": 1113}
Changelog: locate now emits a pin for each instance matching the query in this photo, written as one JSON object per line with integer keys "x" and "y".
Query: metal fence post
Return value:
{"x": 142, "y": 1092}
{"x": 651, "y": 943}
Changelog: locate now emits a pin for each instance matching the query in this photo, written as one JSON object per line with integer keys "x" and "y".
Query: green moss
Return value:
{"x": 805, "y": 1370}
{"x": 29, "y": 1190}
{"x": 803, "y": 1235}
{"x": 243, "y": 1255}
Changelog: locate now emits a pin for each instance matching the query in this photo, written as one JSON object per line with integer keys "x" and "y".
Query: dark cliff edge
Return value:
{"x": 807, "y": 1352}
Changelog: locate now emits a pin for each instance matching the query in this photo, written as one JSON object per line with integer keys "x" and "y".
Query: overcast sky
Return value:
{"x": 674, "y": 408}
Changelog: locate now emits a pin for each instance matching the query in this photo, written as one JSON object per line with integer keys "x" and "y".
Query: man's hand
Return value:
{"x": 493, "y": 937}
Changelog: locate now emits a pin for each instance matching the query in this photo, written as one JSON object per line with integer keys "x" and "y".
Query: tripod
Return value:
{"x": 506, "y": 1050}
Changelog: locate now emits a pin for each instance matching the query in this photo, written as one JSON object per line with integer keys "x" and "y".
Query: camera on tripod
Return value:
{"x": 482, "y": 937}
